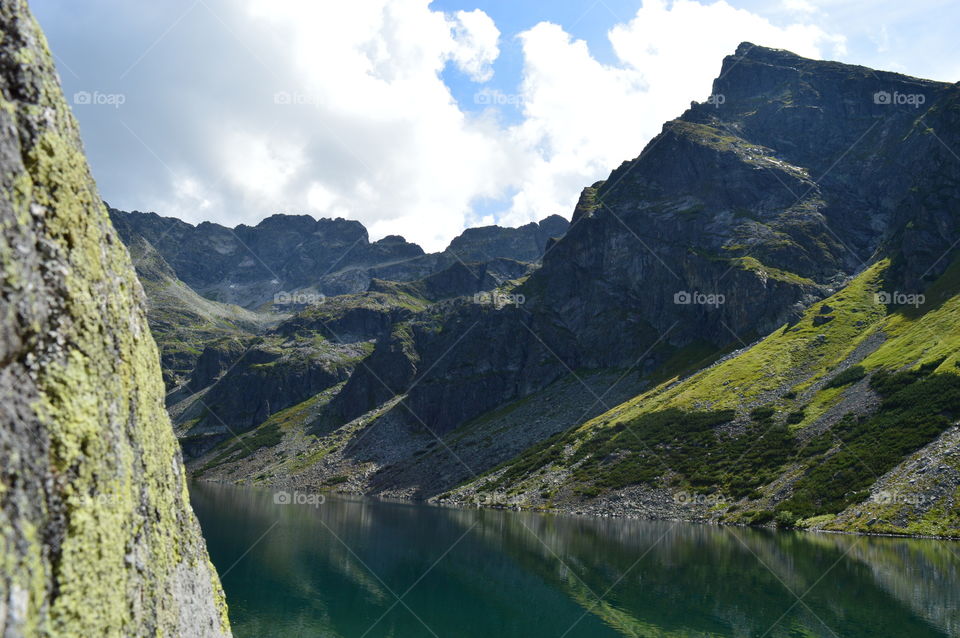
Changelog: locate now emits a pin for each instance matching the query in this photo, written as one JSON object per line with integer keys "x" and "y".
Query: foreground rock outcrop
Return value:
{"x": 97, "y": 537}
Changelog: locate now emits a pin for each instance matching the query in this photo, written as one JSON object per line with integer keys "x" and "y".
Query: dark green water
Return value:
{"x": 339, "y": 568}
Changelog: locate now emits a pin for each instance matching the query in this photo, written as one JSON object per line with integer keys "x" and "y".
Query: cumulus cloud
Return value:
{"x": 799, "y": 6}
{"x": 476, "y": 38}
{"x": 243, "y": 109}
{"x": 585, "y": 117}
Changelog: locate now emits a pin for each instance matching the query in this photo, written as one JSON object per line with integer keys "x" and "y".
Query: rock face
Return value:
{"x": 738, "y": 216}
{"x": 97, "y": 537}
{"x": 182, "y": 322}
{"x": 323, "y": 293}
{"x": 251, "y": 265}
{"x": 526, "y": 243}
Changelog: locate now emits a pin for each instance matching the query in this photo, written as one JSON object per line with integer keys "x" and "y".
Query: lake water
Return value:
{"x": 368, "y": 568}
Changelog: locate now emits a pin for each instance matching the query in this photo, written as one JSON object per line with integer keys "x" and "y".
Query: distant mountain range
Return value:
{"x": 208, "y": 281}
{"x": 753, "y": 321}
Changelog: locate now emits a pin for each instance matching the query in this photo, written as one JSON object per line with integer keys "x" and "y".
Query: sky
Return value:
{"x": 421, "y": 118}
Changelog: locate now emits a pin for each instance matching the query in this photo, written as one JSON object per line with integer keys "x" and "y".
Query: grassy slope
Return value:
{"x": 752, "y": 425}
{"x": 183, "y": 322}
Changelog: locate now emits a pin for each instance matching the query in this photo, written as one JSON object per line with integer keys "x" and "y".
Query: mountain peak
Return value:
{"x": 758, "y": 51}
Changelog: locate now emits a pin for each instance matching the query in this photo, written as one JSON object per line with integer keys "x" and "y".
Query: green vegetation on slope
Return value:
{"x": 181, "y": 321}
{"x": 794, "y": 411}
{"x": 846, "y": 460}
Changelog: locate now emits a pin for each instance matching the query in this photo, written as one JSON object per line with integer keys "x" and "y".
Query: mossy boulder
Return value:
{"x": 97, "y": 537}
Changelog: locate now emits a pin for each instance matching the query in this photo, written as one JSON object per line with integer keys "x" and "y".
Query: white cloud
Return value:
{"x": 190, "y": 195}
{"x": 244, "y": 109}
{"x": 800, "y": 6}
{"x": 260, "y": 167}
{"x": 476, "y": 38}
{"x": 372, "y": 70}
{"x": 365, "y": 127}
{"x": 584, "y": 118}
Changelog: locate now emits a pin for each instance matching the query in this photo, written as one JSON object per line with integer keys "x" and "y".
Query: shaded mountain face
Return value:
{"x": 789, "y": 180}
{"x": 795, "y": 175}
{"x": 97, "y": 537}
{"x": 249, "y": 266}
{"x": 182, "y": 322}
{"x": 228, "y": 369}
{"x": 186, "y": 269}
{"x": 526, "y": 243}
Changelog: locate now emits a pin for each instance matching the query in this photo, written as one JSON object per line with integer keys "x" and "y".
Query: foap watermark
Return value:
{"x": 482, "y": 500}
{"x": 499, "y": 299}
{"x": 699, "y": 500}
{"x": 696, "y": 298}
{"x": 892, "y": 497}
{"x": 493, "y": 97}
{"x": 96, "y": 98}
{"x": 717, "y": 99}
{"x": 283, "y": 497}
{"x": 284, "y": 298}
{"x": 897, "y": 298}
{"x": 295, "y": 98}
{"x": 896, "y": 98}
{"x": 101, "y": 500}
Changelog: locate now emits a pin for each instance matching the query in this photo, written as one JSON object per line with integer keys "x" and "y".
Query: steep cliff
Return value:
{"x": 97, "y": 537}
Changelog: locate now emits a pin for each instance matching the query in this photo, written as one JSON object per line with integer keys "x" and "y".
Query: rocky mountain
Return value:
{"x": 730, "y": 223}
{"x": 182, "y": 322}
{"x": 729, "y": 313}
{"x": 285, "y": 255}
{"x": 97, "y": 537}
{"x": 229, "y": 368}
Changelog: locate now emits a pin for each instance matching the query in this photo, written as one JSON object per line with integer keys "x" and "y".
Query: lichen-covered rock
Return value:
{"x": 96, "y": 533}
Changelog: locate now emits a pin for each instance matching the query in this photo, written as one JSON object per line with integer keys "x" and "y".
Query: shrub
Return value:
{"x": 915, "y": 410}
{"x": 795, "y": 417}
{"x": 848, "y": 376}
{"x": 758, "y": 517}
{"x": 762, "y": 413}
{"x": 785, "y": 519}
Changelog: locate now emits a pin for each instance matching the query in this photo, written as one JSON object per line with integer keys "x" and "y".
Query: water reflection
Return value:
{"x": 339, "y": 569}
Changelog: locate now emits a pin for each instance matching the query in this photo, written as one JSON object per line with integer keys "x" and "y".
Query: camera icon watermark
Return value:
{"x": 101, "y": 500}
{"x": 696, "y": 298}
{"x": 890, "y": 497}
{"x": 897, "y": 298}
{"x": 295, "y": 98}
{"x": 717, "y": 99}
{"x": 493, "y": 97}
{"x": 498, "y": 299}
{"x": 698, "y": 500}
{"x": 284, "y": 298}
{"x": 96, "y": 98}
{"x": 283, "y": 497}
{"x": 895, "y": 98}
